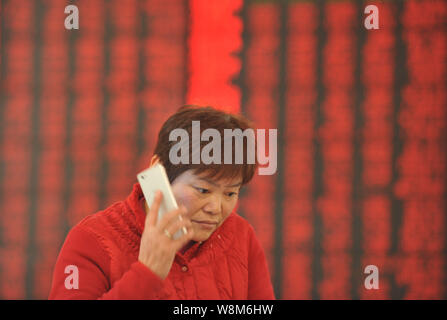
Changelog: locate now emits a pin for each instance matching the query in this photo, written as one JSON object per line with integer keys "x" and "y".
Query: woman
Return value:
{"x": 123, "y": 252}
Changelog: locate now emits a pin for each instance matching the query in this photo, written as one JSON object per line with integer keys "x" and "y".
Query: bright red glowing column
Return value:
{"x": 16, "y": 147}
{"x": 378, "y": 78}
{"x": 121, "y": 85}
{"x": 300, "y": 119}
{"x": 422, "y": 162}
{"x": 164, "y": 68}
{"x": 86, "y": 116}
{"x": 53, "y": 101}
{"x": 262, "y": 68}
{"x": 336, "y": 136}
{"x": 215, "y": 38}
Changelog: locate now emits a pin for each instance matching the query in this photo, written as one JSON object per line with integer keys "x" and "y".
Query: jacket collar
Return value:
{"x": 135, "y": 202}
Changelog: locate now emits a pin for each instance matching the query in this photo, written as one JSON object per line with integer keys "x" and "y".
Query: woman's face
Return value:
{"x": 208, "y": 202}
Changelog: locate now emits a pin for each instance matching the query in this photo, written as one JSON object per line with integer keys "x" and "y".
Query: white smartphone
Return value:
{"x": 153, "y": 179}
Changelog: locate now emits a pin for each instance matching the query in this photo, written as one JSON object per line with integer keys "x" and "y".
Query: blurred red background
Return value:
{"x": 361, "y": 118}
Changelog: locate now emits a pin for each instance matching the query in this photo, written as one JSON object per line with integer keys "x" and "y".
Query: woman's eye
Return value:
{"x": 232, "y": 194}
{"x": 202, "y": 190}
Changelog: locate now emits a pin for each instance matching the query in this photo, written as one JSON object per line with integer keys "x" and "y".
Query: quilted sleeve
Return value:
{"x": 82, "y": 273}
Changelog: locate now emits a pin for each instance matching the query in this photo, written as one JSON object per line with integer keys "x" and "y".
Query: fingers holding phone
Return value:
{"x": 158, "y": 246}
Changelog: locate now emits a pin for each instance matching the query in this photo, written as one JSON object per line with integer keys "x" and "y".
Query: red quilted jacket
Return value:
{"x": 104, "y": 248}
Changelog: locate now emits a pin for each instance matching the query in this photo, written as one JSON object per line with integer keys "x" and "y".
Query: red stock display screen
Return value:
{"x": 361, "y": 119}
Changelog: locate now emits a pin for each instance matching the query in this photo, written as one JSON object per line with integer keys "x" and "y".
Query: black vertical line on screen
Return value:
{"x": 4, "y": 38}
{"x": 106, "y": 91}
{"x": 141, "y": 114}
{"x": 31, "y": 251}
{"x": 444, "y": 142}
{"x": 72, "y": 36}
{"x": 401, "y": 78}
{"x": 357, "y": 158}
{"x": 281, "y": 125}
{"x": 240, "y": 80}
{"x": 442, "y": 145}
{"x": 317, "y": 272}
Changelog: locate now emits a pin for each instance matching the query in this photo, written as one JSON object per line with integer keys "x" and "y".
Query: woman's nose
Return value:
{"x": 214, "y": 205}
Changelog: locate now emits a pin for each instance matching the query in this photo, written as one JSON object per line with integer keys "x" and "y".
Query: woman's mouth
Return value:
{"x": 208, "y": 225}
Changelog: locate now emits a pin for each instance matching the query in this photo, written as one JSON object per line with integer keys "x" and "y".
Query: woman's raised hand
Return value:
{"x": 157, "y": 247}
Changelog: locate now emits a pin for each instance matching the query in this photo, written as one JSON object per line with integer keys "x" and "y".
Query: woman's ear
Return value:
{"x": 155, "y": 159}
